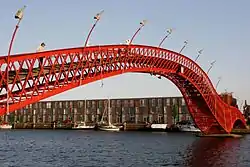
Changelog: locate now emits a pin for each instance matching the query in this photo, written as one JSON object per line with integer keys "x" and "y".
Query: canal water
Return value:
{"x": 65, "y": 148}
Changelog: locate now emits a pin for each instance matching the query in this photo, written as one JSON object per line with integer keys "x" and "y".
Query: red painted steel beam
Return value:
{"x": 32, "y": 81}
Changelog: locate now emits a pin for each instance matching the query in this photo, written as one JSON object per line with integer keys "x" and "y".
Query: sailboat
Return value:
{"x": 110, "y": 126}
{"x": 82, "y": 125}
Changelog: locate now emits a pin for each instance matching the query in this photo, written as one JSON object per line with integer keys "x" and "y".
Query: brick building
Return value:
{"x": 134, "y": 110}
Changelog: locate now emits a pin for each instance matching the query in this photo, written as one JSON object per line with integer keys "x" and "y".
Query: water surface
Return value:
{"x": 65, "y": 148}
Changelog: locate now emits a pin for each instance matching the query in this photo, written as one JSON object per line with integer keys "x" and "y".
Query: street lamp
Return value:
{"x": 142, "y": 24}
{"x": 199, "y": 53}
{"x": 219, "y": 79}
{"x": 169, "y": 31}
{"x": 211, "y": 66}
{"x": 19, "y": 17}
{"x": 97, "y": 17}
{"x": 185, "y": 44}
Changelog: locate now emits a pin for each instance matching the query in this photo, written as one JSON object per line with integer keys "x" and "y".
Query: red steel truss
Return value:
{"x": 36, "y": 76}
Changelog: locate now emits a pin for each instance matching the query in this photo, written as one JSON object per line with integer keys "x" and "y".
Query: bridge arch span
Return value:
{"x": 36, "y": 76}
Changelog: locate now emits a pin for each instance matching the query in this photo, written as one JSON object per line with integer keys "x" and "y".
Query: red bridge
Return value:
{"x": 36, "y": 76}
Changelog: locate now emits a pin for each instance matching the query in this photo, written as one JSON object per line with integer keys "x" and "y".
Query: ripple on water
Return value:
{"x": 78, "y": 148}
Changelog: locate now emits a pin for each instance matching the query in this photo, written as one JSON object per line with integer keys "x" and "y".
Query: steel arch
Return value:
{"x": 36, "y": 76}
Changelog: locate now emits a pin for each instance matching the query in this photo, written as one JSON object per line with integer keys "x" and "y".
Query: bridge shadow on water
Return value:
{"x": 213, "y": 152}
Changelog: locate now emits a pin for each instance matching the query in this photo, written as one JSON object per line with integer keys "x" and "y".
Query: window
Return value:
{"x": 60, "y": 104}
{"x": 174, "y": 101}
{"x": 142, "y": 102}
{"x": 71, "y": 104}
{"x": 153, "y": 102}
{"x": 113, "y": 103}
{"x": 118, "y": 102}
{"x": 160, "y": 119}
{"x": 159, "y": 102}
{"x": 168, "y": 101}
{"x": 93, "y": 103}
{"x": 183, "y": 101}
{"x": 56, "y": 104}
{"x": 44, "y": 111}
{"x": 131, "y": 103}
{"x": 48, "y": 105}
{"x": 88, "y": 104}
{"x": 40, "y": 105}
{"x": 100, "y": 104}
{"x": 125, "y": 103}
{"x": 80, "y": 104}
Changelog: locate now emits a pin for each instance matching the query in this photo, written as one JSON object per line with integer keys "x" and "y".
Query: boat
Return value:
{"x": 110, "y": 126}
{"x": 188, "y": 128}
{"x": 83, "y": 126}
{"x": 5, "y": 126}
{"x": 158, "y": 127}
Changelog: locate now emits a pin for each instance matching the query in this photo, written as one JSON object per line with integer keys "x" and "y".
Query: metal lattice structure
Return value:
{"x": 36, "y": 76}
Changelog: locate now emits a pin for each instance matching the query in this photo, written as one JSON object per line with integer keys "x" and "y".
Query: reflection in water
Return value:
{"x": 210, "y": 152}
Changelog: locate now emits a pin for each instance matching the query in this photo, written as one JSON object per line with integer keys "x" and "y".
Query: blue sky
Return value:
{"x": 220, "y": 27}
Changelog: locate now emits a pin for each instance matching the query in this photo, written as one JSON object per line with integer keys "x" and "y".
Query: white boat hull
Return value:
{"x": 107, "y": 128}
{"x": 84, "y": 128}
{"x": 5, "y": 126}
{"x": 189, "y": 129}
{"x": 158, "y": 127}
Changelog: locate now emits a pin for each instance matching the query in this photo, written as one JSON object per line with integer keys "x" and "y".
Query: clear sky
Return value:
{"x": 222, "y": 28}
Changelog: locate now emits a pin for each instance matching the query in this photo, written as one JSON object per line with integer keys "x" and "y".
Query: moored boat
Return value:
{"x": 83, "y": 126}
{"x": 5, "y": 126}
{"x": 110, "y": 126}
{"x": 158, "y": 127}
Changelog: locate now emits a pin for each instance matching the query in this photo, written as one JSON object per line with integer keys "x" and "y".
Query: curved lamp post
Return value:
{"x": 199, "y": 54}
{"x": 211, "y": 66}
{"x": 169, "y": 31}
{"x": 142, "y": 24}
{"x": 97, "y": 17}
{"x": 185, "y": 44}
{"x": 19, "y": 17}
{"x": 219, "y": 79}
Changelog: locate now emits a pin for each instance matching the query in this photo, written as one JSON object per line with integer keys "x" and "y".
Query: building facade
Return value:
{"x": 134, "y": 110}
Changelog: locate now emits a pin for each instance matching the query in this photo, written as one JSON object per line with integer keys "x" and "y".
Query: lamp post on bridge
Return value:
{"x": 199, "y": 54}
{"x": 169, "y": 32}
{"x": 142, "y": 24}
{"x": 185, "y": 44}
{"x": 211, "y": 66}
{"x": 219, "y": 79}
{"x": 97, "y": 17}
{"x": 129, "y": 41}
{"x": 19, "y": 17}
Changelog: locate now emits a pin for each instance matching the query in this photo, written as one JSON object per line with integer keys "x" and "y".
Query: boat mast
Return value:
{"x": 105, "y": 107}
{"x": 109, "y": 111}
{"x": 85, "y": 110}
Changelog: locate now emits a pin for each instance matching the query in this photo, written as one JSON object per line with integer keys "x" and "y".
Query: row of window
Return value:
{"x": 102, "y": 103}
